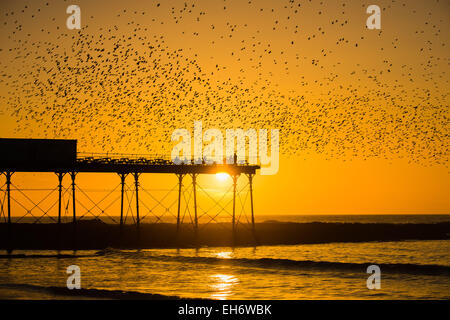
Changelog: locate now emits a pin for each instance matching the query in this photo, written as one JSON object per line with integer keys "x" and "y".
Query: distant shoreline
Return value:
{"x": 95, "y": 234}
{"x": 263, "y": 218}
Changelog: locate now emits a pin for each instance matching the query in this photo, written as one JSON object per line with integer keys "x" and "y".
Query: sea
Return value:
{"x": 408, "y": 269}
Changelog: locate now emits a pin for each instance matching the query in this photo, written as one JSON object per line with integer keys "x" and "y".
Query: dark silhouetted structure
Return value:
{"x": 61, "y": 157}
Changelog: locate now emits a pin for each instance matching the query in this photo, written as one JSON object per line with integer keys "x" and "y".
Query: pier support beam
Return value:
{"x": 60, "y": 176}
{"x": 2, "y": 205}
{"x": 74, "y": 212}
{"x": 74, "y": 216}
{"x": 180, "y": 185}
{"x": 122, "y": 176}
{"x": 60, "y": 179}
{"x": 8, "y": 175}
{"x": 138, "y": 222}
{"x": 194, "y": 186}
{"x": 250, "y": 182}
{"x": 233, "y": 222}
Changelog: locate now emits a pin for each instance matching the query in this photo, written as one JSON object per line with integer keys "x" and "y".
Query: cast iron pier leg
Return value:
{"x": 138, "y": 223}
{"x": 8, "y": 175}
{"x": 74, "y": 219}
{"x": 180, "y": 185}
{"x": 233, "y": 222}
{"x": 194, "y": 186}
{"x": 122, "y": 191}
{"x": 60, "y": 179}
{"x": 250, "y": 181}
{"x": 8, "y": 194}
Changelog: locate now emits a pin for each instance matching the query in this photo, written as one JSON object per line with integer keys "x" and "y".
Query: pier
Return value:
{"x": 61, "y": 158}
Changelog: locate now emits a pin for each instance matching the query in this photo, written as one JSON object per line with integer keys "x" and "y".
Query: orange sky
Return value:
{"x": 363, "y": 113}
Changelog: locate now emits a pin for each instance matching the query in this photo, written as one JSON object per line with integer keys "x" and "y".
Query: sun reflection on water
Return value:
{"x": 224, "y": 254}
{"x": 223, "y": 285}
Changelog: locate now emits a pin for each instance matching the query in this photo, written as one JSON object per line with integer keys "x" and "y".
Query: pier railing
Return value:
{"x": 144, "y": 159}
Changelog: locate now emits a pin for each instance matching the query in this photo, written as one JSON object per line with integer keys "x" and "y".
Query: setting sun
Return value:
{"x": 222, "y": 176}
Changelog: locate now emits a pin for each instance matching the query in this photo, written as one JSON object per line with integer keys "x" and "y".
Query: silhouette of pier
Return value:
{"x": 61, "y": 157}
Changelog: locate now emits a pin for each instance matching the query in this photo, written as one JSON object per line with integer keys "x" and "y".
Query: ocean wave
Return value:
{"x": 89, "y": 293}
{"x": 271, "y": 263}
